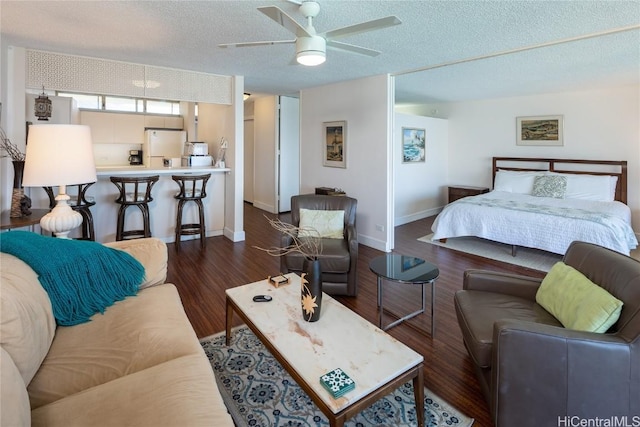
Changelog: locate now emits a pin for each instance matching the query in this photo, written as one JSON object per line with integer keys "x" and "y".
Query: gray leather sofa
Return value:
{"x": 339, "y": 256}
{"x": 532, "y": 370}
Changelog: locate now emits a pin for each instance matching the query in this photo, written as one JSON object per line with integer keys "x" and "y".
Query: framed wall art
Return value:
{"x": 334, "y": 142}
{"x": 413, "y": 145}
{"x": 539, "y": 130}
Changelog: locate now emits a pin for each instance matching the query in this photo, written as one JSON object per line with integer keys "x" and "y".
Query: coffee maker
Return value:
{"x": 135, "y": 157}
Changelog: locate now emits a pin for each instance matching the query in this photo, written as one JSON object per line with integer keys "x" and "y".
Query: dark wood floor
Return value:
{"x": 203, "y": 276}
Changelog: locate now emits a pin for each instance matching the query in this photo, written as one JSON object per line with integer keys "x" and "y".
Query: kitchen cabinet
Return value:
{"x": 114, "y": 128}
{"x": 163, "y": 122}
{"x": 173, "y": 122}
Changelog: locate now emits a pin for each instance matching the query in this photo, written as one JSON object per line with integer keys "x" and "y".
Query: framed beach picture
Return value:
{"x": 539, "y": 130}
{"x": 413, "y": 145}
{"x": 334, "y": 143}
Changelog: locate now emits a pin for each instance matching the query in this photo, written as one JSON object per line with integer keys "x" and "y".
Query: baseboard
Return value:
{"x": 234, "y": 236}
{"x": 373, "y": 243}
{"x": 416, "y": 216}
{"x": 264, "y": 207}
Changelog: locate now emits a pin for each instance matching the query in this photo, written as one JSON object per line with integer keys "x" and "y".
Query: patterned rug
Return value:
{"x": 259, "y": 392}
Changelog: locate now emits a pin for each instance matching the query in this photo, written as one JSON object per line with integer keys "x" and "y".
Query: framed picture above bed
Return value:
{"x": 413, "y": 145}
{"x": 539, "y": 130}
{"x": 334, "y": 143}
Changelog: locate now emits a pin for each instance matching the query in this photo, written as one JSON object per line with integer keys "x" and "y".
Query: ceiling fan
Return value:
{"x": 311, "y": 47}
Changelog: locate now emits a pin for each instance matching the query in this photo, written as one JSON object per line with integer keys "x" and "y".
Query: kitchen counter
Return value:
{"x": 144, "y": 170}
{"x": 163, "y": 208}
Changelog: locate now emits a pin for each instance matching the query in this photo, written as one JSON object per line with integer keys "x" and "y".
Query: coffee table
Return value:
{"x": 377, "y": 362}
{"x": 405, "y": 269}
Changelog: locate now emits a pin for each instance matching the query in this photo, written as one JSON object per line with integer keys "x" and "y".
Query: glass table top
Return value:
{"x": 404, "y": 268}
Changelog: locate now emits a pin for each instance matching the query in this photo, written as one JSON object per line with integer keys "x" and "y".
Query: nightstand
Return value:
{"x": 459, "y": 191}
{"x": 330, "y": 191}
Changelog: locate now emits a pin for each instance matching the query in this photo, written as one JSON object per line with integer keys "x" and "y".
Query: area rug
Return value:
{"x": 525, "y": 257}
{"x": 258, "y": 392}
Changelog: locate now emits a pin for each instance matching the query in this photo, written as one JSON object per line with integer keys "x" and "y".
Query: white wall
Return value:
{"x": 212, "y": 125}
{"x": 598, "y": 124}
{"x": 420, "y": 188}
{"x": 366, "y": 105}
{"x": 13, "y": 112}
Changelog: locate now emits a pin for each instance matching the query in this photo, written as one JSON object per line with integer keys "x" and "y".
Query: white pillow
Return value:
{"x": 515, "y": 181}
{"x": 600, "y": 188}
{"x": 329, "y": 224}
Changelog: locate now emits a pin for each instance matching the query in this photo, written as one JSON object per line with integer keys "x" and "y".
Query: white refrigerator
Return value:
{"x": 162, "y": 144}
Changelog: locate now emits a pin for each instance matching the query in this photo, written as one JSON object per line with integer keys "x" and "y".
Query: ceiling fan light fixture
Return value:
{"x": 311, "y": 51}
{"x": 310, "y": 58}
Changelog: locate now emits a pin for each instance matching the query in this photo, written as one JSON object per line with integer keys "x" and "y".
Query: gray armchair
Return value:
{"x": 535, "y": 372}
{"x": 339, "y": 256}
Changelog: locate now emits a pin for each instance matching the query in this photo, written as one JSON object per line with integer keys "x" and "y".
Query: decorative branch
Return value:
{"x": 9, "y": 149}
{"x": 309, "y": 244}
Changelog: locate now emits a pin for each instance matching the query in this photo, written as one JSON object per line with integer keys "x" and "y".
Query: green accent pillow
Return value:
{"x": 329, "y": 224}
{"x": 550, "y": 186}
{"x": 576, "y": 301}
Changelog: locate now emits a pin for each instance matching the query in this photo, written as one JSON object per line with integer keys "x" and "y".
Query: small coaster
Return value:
{"x": 337, "y": 382}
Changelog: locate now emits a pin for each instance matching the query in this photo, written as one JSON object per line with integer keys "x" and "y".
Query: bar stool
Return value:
{"x": 79, "y": 203}
{"x": 192, "y": 189}
{"x": 134, "y": 191}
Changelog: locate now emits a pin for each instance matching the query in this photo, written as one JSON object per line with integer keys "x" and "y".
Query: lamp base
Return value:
{"x": 62, "y": 219}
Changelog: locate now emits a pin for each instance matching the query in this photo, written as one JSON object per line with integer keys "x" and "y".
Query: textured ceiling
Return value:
{"x": 439, "y": 37}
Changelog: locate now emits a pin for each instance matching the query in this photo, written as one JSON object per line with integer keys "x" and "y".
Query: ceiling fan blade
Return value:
{"x": 362, "y": 27}
{"x": 285, "y": 20}
{"x": 249, "y": 44}
{"x": 352, "y": 48}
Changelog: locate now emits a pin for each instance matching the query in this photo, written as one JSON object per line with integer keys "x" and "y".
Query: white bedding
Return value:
{"x": 538, "y": 222}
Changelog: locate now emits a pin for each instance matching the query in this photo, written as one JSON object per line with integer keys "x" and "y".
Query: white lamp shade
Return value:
{"x": 59, "y": 155}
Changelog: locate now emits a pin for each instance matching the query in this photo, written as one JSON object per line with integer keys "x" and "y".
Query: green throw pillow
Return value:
{"x": 329, "y": 224}
{"x": 549, "y": 186}
{"x": 576, "y": 301}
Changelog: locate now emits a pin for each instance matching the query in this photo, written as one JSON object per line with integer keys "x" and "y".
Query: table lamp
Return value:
{"x": 59, "y": 155}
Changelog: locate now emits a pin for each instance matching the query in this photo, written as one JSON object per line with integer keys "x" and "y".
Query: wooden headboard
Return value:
{"x": 587, "y": 167}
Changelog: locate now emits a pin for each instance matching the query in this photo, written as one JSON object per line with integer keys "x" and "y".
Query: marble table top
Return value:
{"x": 339, "y": 339}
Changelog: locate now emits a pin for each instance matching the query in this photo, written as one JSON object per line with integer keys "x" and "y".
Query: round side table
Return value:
{"x": 409, "y": 270}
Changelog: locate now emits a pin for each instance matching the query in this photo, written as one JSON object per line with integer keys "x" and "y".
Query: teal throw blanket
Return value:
{"x": 81, "y": 277}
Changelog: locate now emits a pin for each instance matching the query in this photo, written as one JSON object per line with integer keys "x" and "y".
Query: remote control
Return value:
{"x": 262, "y": 298}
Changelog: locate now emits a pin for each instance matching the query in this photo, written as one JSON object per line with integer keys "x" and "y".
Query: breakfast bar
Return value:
{"x": 163, "y": 208}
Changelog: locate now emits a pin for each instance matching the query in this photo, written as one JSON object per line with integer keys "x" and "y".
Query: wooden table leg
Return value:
{"x": 229, "y": 319}
{"x": 418, "y": 393}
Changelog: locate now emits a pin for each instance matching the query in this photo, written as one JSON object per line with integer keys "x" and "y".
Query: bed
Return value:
{"x": 546, "y": 204}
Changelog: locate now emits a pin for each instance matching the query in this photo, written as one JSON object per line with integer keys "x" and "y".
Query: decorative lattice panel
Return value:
{"x": 82, "y": 74}
{"x": 166, "y": 83}
{"x": 71, "y": 73}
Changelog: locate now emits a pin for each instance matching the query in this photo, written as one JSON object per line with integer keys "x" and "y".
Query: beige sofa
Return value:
{"x": 138, "y": 364}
